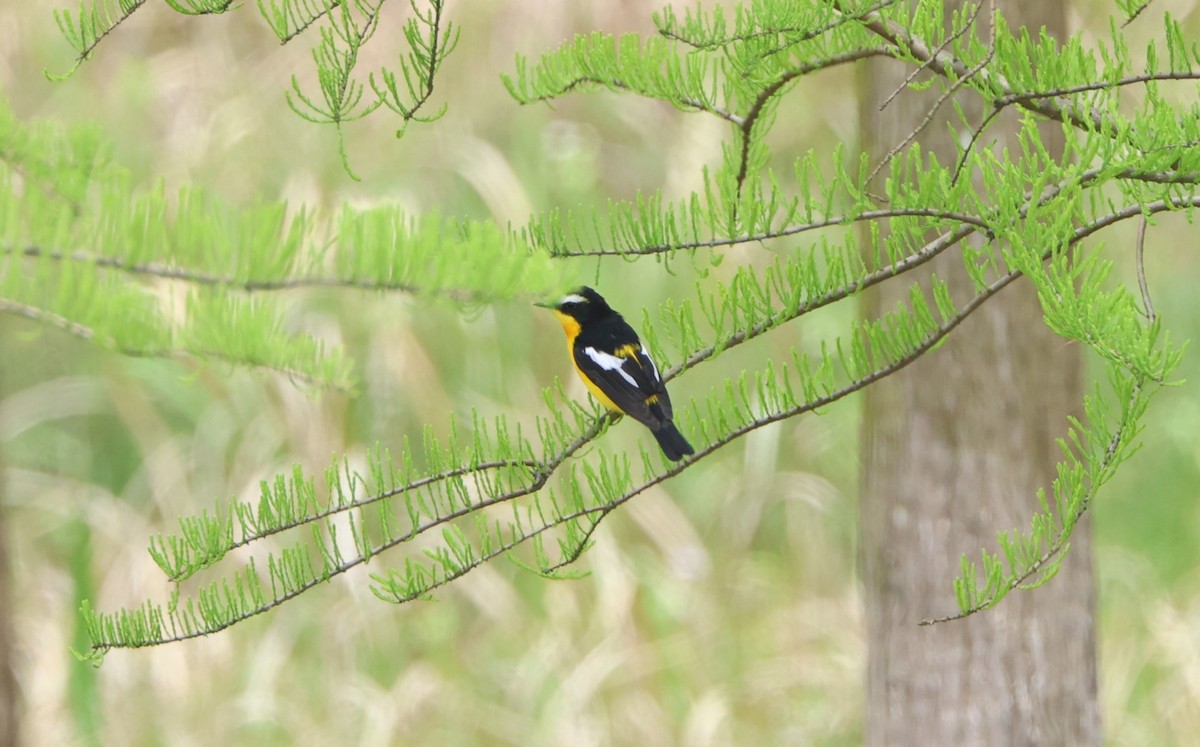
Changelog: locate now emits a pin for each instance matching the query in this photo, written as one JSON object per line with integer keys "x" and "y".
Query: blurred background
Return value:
{"x": 722, "y": 608}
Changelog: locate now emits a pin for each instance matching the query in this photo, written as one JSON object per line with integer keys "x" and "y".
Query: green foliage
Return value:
{"x": 1091, "y": 455}
{"x": 151, "y": 274}
{"x": 444, "y": 507}
{"x": 85, "y": 28}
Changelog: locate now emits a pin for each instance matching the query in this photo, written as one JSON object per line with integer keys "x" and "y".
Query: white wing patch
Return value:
{"x": 609, "y": 362}
{"x": 653, "y": 368}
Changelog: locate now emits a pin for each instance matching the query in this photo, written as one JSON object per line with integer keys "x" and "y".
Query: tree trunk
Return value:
{"x": 955, "y": 448}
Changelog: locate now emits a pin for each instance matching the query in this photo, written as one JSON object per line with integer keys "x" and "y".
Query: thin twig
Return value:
{"x": 206, "y": 279}
{"x": 950, "y": 91}
{"x": 802, "y": 34}
{"x": 1141, "y": 271}
{"x": 839, "y": 220}
{"x": 86, "y": 51}
{"x": 43, "y": 316}
{"x": 940, "y": 50}
{"x": 975, "y": 135}
{"x": 770, "y": 91}
{"x": 1137, "y": 12}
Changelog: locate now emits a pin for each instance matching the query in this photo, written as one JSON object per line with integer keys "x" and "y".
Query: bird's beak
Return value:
{"x": 547, "y": 304}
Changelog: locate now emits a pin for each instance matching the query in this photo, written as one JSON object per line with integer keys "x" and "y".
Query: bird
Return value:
{"x": 615, "y": 367}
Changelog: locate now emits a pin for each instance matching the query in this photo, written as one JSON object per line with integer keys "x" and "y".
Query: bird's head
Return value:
{"x": 579, "y": 307}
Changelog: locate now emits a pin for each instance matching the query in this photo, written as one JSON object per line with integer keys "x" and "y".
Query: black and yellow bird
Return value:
{"x": 616, "y": 368}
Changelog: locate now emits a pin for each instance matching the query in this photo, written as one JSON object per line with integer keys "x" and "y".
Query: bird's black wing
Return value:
{"x": 629, "y": 378}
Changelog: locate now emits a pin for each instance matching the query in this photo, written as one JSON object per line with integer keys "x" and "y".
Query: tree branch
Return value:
{"x": 947, "y": 65}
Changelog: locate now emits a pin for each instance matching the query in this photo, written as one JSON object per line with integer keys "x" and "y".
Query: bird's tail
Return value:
{"x": 673, "y": 444}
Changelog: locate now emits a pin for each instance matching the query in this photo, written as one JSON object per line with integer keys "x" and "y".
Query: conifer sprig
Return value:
{"x": 87, "y": 27}
{"x": 343, "y": 29}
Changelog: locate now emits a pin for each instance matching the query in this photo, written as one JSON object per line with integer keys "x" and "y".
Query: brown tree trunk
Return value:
{"x": 955, "y": 449}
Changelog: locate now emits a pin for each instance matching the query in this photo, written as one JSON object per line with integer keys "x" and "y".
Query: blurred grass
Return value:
{"x": 722, "y": 608}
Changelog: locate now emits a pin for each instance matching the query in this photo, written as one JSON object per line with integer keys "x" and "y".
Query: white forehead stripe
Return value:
{"x": 573, "y": 298}
{"x": 609, "y": 362}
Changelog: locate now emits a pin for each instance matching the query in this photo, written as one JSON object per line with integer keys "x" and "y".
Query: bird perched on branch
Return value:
{"x": 616, "y": 368}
